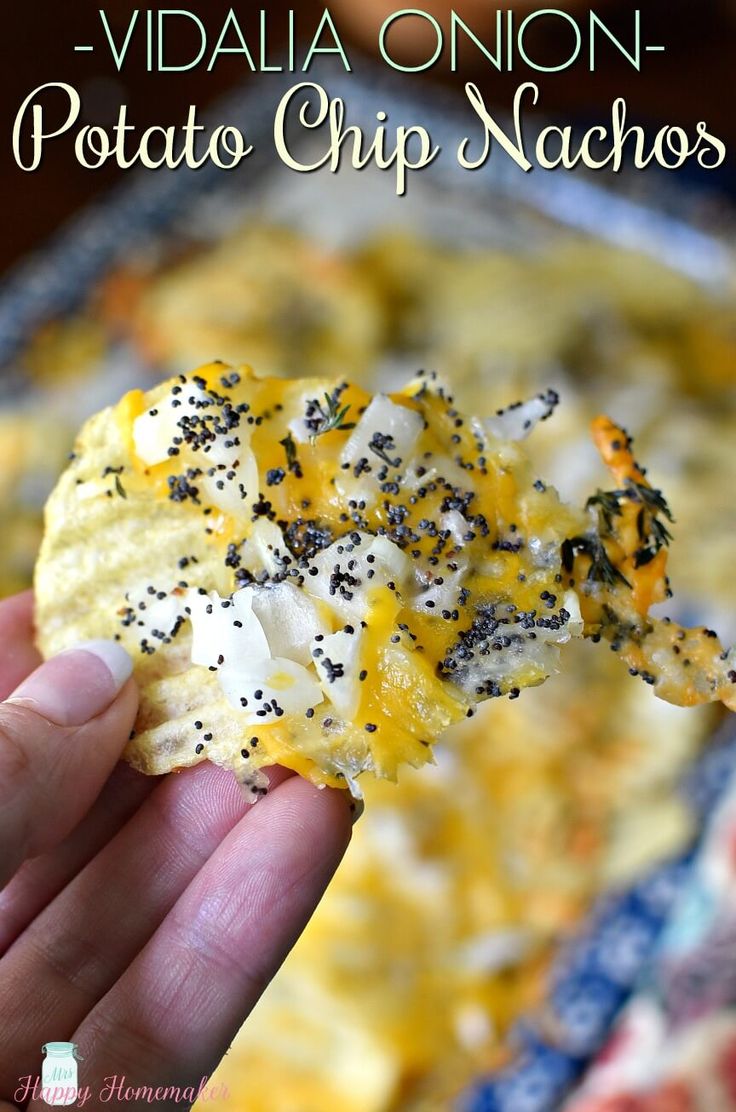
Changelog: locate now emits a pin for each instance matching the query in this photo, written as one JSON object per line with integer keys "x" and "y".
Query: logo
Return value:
{"x": 58, "y": 1085}
{"x": 59, "y": 1080}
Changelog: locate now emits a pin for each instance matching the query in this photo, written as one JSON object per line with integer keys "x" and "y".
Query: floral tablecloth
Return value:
{"x": 673, "y": 1048}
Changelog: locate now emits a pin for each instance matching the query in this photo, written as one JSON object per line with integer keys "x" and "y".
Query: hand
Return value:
{"x": 141, "y": 918}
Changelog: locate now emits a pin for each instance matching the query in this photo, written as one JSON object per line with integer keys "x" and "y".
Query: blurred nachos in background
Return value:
{"x": 440, "y": 927}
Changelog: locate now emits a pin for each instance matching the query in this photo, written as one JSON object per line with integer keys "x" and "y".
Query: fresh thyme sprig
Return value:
{"x": 608, "y": 506}
{"x": 331, "y": 417}
{"x": 653, "y": 533}
{"x": 653, "y": 499}
{"x": 601, "y": 569}
{"x": 292, "y": 462}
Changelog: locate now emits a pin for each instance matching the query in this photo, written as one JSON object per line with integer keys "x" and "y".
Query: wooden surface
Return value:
{"x": 691, "y": 81}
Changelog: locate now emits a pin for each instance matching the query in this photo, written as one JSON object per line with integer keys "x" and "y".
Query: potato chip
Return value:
{"x": 311, "y": 576}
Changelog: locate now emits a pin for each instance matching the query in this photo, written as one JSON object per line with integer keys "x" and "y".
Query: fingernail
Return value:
{"x": 76, "y": 685}
{"x": 357, "y": 807}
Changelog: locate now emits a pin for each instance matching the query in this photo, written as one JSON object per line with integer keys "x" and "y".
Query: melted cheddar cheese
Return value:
{"x": 347, "y": 575}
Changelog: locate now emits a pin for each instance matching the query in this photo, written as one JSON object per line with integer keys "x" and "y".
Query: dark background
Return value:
{"x": 691, "y": 81}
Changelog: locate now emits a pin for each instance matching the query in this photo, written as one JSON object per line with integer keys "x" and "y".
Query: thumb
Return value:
{"x": 61, "y": 733}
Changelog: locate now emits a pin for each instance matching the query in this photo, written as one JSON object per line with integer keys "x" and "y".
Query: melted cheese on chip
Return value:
{"x": 332, "y": 579}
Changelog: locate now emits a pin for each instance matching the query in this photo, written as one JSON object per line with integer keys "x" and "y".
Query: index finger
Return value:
{"x": 172, "y": 1015}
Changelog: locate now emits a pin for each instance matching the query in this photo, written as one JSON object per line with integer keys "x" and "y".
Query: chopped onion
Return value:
{"x": 384, "y": 437}
{"x": 337, "y": 659}
{"x": 540, "y": 654}
{"x": 154, "y": 431}
{"x": 575, "y": 623}
{"x": 233, "y": 485}
{"x": 456, "y": 523}
{"x": 290, "y": 619}
{"x": 276, "y": 687}
{"x": 264, "y": 550}
{"x": 517, "y": 420}
{"x": 225, "y": 632}
{"x": 157, "y": 619}
{"x": 351, "y": 568}
{"x": 441, "y": 596}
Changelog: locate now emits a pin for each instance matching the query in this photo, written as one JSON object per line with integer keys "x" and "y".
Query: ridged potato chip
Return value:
{"x": 311, "y": 576}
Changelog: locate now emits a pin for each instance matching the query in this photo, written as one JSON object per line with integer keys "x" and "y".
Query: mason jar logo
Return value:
{"x": 59, "y": 1080}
